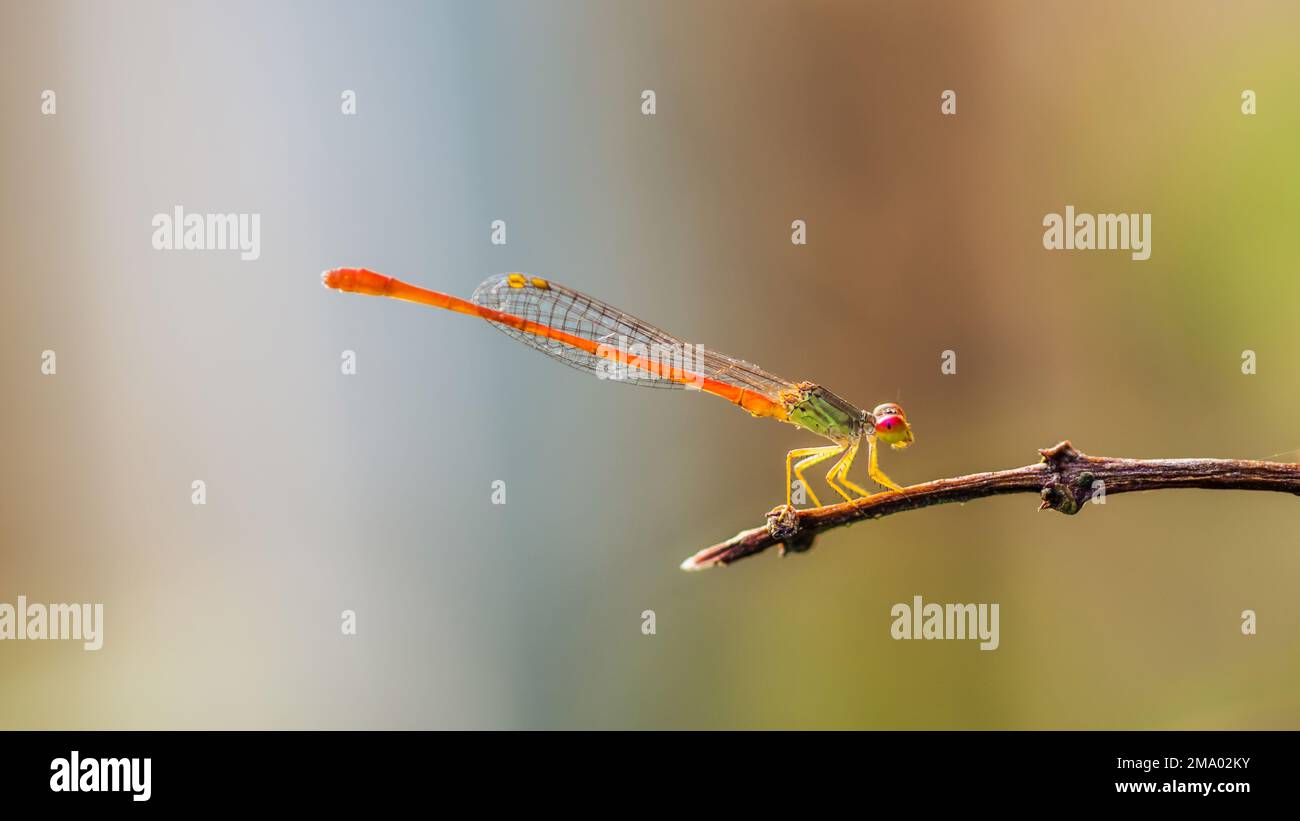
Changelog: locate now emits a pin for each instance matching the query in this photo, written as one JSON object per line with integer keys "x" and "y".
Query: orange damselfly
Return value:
{"x": 589, "y": 335}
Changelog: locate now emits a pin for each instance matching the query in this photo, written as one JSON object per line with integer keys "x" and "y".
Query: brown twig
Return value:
{"x": 1065, "y": 479}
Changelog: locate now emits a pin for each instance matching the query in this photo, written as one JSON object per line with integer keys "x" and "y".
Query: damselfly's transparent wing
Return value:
{"x": 563, "y": 309}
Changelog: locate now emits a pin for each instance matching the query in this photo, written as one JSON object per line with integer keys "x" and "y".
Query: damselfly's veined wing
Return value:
{"x": 563, "y": 309}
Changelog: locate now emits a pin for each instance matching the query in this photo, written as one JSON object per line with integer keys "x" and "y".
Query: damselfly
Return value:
{"x": 591, "y": 336}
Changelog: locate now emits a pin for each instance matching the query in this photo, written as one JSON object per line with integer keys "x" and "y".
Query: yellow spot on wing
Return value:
{"x": 516, "y": 281}
{"x": 538, "y": 282}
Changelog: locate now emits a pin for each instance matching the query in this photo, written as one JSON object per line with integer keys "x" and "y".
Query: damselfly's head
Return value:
{"x": 891, "y": 426}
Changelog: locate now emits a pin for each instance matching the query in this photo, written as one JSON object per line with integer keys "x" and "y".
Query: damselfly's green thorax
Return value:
{"x": 819, "y": 411}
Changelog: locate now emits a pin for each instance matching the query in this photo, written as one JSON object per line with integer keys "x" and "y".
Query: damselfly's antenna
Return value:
{"x": 1292, "y": 452}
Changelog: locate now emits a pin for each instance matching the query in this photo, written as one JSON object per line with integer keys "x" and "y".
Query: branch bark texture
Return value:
{"x": 1064, "y": 479}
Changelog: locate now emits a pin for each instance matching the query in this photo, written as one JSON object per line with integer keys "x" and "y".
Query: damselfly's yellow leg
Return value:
{"x": 873, "y": 469}
{"x": 841, "y": 471}
{"x": 813, "y": 456}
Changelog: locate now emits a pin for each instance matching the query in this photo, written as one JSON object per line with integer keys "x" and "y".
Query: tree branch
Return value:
{"x": 1064, "y": 479}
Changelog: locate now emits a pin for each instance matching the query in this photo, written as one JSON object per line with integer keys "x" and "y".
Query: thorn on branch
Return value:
{"x": 1060, "y": 454}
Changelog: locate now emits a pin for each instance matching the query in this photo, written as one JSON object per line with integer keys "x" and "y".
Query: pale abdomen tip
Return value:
{"x": 333, "y": 278}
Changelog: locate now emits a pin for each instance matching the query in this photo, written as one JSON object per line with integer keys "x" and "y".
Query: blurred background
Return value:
{"x": 373, "y": 492}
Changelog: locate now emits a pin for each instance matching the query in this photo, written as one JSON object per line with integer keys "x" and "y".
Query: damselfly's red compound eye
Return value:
{"x": 891, "y": 425}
